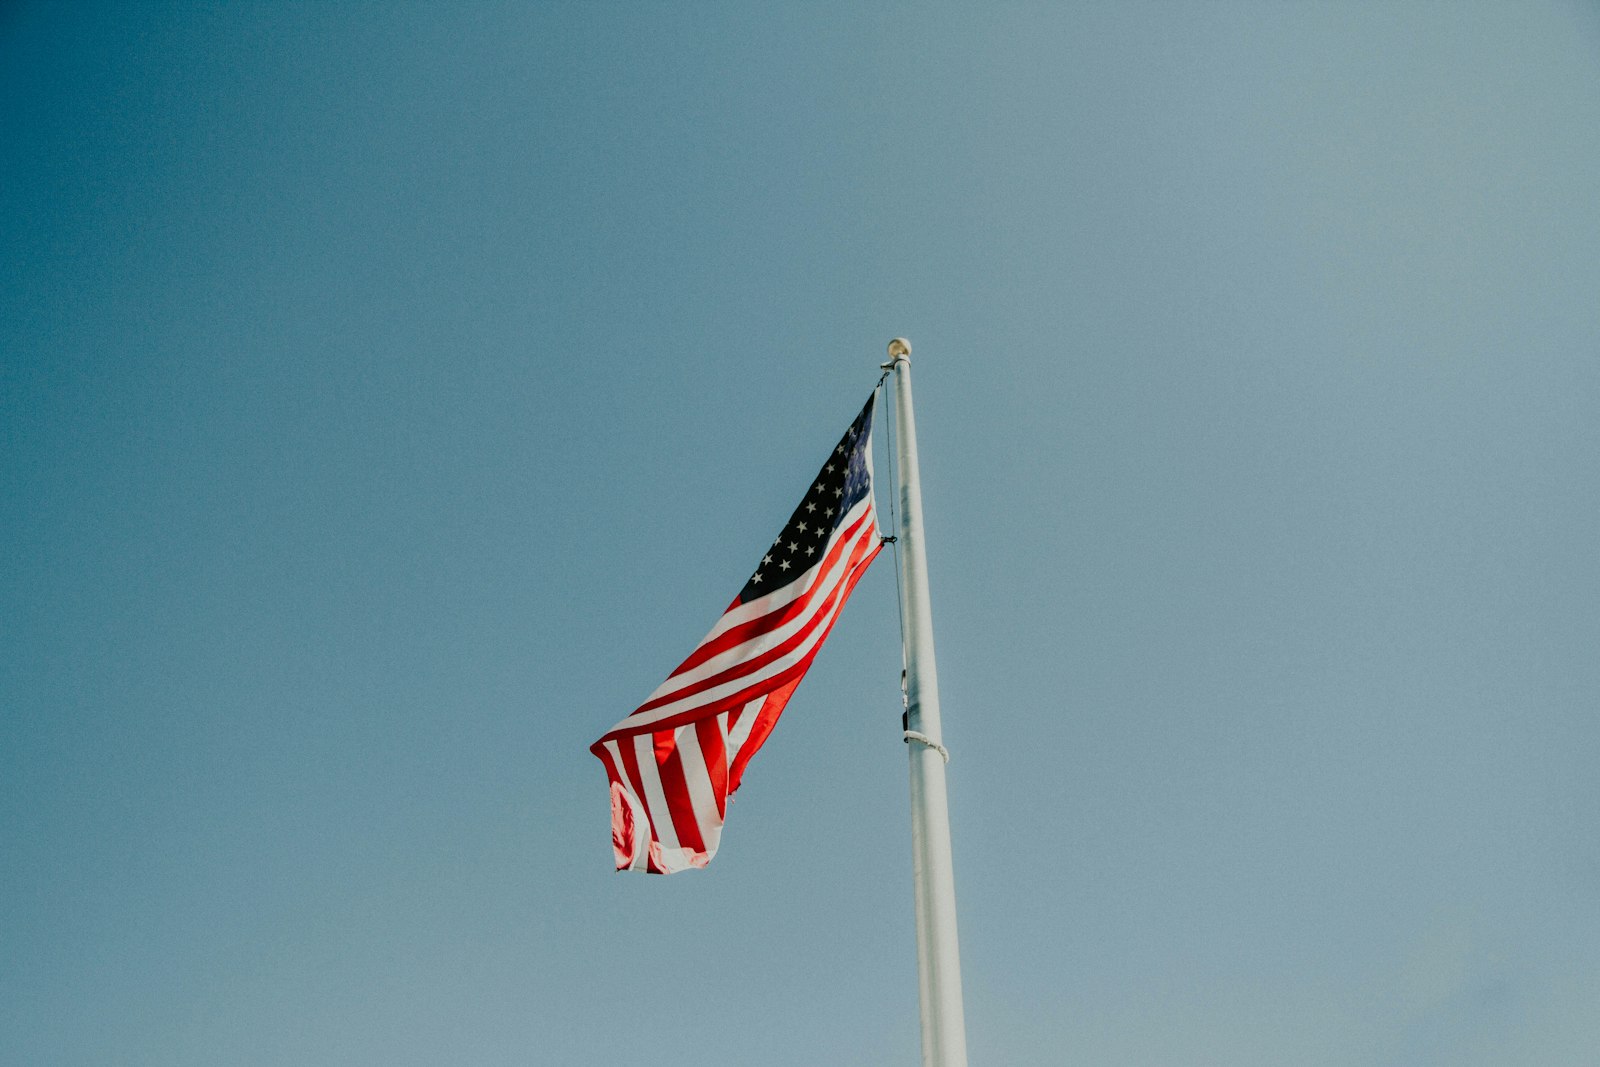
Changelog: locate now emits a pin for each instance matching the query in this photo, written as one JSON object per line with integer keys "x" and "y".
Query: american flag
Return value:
{"x": 676, "y": 760}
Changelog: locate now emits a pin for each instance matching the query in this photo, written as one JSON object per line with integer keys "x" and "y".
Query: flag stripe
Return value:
{"x": 714, "y": 690}
{"x": 734, "y": 648}
{"x": 742, "y": 610}
{"x": 674, "y": 762}
{"x": 713, "y": 747}
{"x": 706, "y": 811}
{"x": 767, "y": 648}
{"x": 779, "y": 672}
{"x": 761, "y": 726}
{"x": 740, "y": 721}
{"x": 717, "y": 643}
{"x": 675, "y": 787}
{"x": 625, "y": 814}
{"x": 628, "y": 750}
{"x": 662, "y": 832}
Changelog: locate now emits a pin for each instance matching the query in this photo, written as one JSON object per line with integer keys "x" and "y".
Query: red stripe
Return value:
{"x": 630, "y": 763}
{"x": 766, "y": 719}
{"x": 709, "y": 733}
{"x": 754, "y": 664}
{"x": 749, "y": 693}
{"x": 716, "y": 707}
{"x": 680, "y": 809}
{"x": 731, "y": 638}
{"x": 623, "y": 840}
{"x": 749, "y": 666}
{"x": 774, "y": 705}
{"x": 765, "y": 687}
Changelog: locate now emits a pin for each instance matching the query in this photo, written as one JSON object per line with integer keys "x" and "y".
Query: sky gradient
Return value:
{"x": 391, "y": 394}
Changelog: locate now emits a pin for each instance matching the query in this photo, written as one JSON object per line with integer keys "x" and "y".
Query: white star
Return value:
{"x": 840, "y": 450}
{"x": 802, "y": 527}
{"x": 838, "y": 492}
{"x": 811, "y": 507}
{"x": 792, "y": 547}
{"x": 756, "y": 577}
{"x": 829, "y": 468}
{"x": 810, "y": 549}
{"x": 784, "y": 564}
{"x": 765, "y": 560}
{"x": 830, "y": 515}
{"x": 819, "y": 487}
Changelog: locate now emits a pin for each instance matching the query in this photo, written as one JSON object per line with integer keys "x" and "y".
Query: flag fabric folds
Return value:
{"x": 677, "y": 759}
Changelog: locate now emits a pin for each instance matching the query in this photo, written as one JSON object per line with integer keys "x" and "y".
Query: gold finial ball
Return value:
{"x": 899, "y": 348}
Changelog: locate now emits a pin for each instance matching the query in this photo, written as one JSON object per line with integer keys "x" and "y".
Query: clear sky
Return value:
{"x": 391, "y": 394}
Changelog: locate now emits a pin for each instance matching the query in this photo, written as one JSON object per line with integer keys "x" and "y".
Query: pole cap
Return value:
{"x": 899, "y": 348}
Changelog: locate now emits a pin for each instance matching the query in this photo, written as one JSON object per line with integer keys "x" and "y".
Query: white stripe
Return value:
{"x": 654, "y": 837}
{"x": 777, "y": 666}
{"x": 641, "y": 825}
{"x": 823, "y": 614}
{"x": 780, "y": 598}
{"x": 739, "y": 733}
{"x": 701, "y": 794}
{"x": 763, "y": 605}
{"x": 654, "y": 798}
{"x": 826, "y": 583}
{"x": 776, "y": 599}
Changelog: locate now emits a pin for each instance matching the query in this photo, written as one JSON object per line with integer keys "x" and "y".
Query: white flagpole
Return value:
{"x": 944, "y": 1029}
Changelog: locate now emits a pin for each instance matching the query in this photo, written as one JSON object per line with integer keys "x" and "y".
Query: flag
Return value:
{"x": 676, "y": 760}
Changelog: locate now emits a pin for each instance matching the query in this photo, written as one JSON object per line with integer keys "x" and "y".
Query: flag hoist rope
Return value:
{"x": 944, "y": 1032}
{"x": 892, "y": 540}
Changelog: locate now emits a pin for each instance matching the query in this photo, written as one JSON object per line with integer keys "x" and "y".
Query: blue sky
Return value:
{"x": 391, "y": 394}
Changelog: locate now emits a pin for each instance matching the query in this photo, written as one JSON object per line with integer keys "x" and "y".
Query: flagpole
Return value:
{"x": 944, "y": 1030}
